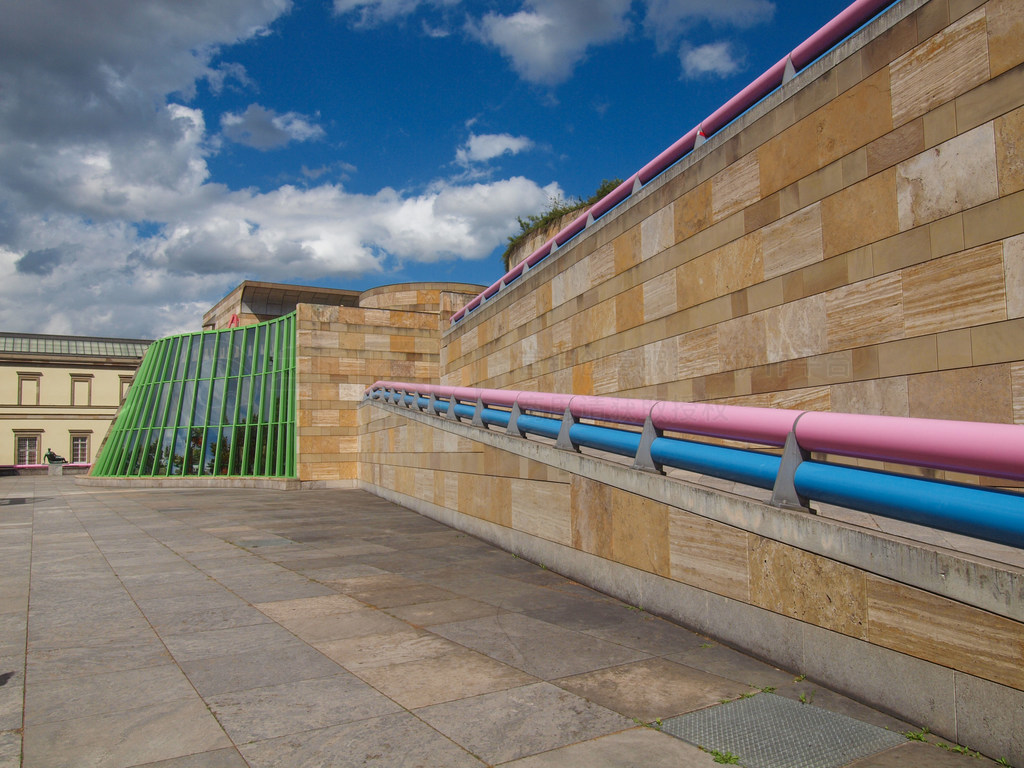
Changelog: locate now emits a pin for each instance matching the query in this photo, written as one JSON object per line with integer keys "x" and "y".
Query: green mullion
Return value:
{"x": 196, "y": 348}
{"x": 292, "y": 428}
{"x": 160, "y": 419}
{"x": 207, "y": 339}
{"x": 248, "y": 467}
{"x": 113, "y": 453}
{"x": 232, "y": 375}
{"x": 282, "y": 404}
{"x": 150, "y": 391}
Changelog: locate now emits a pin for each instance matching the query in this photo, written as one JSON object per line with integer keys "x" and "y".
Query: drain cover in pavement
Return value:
{"x": 767, "y": 731}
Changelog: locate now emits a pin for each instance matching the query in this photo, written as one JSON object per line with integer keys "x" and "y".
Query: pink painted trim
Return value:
{"x": 573, "y": 228}
{"x": 613, "y": 198}
{"x": 615, "y": 409}
{"x": 540, "y": 253}
{"x": 768, "y": 426}
{"x": 745, "y": 99}
{"x": 842, "y": 25}
{"x": 994, "y": 450}
{"x": 674, "y": 152}
{"x": 961, "y": 446}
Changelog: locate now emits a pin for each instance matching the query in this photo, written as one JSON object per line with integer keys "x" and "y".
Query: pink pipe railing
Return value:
{"x": 993, "y": 450}
{"x": 844, "y": 24}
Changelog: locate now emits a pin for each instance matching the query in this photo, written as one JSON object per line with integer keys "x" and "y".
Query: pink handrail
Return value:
{"x": 846, "y": 22}
{"x": 994, "y": 450}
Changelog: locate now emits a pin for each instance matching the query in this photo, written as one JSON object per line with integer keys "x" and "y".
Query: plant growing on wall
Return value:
{"x": 557, "y": 208}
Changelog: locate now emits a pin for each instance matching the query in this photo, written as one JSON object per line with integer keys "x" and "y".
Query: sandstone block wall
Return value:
{"x": 907, "y": 631}
{"x": 393, "y": 335}
{"x": 855, "y": 243}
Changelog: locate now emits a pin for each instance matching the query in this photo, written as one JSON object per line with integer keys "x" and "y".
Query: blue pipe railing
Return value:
{"x": 985, "y": 513}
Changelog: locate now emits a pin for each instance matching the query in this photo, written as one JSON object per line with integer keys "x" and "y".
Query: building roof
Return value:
{"x": 71, "y": 346}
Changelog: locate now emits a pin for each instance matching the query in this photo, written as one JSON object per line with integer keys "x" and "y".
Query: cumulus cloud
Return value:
{"x": 110, "y": 222}
{"x": 547, "y": 38}
{"x": 486, "y": 146}
{"x": 373, "y": 12}
{"x": 262, "y": 128}
{"x": 668, "y": 20}
{"x": 711, "y": 60}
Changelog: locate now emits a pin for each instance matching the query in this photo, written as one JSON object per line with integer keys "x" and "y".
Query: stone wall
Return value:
{"x": 341, "y": 350}
{"x": 925, "y": 633}
{"x": 853, "y": 243}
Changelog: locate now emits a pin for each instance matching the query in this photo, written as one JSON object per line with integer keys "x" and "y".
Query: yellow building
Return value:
{"x": 60, "y": 393}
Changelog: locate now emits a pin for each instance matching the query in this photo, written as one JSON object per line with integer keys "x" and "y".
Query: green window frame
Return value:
{"x": 213, "y": 403}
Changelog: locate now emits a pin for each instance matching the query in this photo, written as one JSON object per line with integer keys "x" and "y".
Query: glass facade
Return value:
{"x": 216, "y": 403}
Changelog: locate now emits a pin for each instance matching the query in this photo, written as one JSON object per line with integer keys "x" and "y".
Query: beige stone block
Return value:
{"x": 786, "y": 158}
{"x": 896, "y": 146}
{"x": 659, "y": 296}
{"x": 629, "y": 309}
{"x": 661, "y": 361}
{"x": 998, "y": 342}
{"x": 941, "y": 68}
{"x": 879, "y": 397}
{"x": 863, "y": 313}
{"x": 697, "y": 353}
{"x": 657, "y": 232}
{"x": 958, "y": 174}
{"x": 854, "y": 118}
{"x": 591, "y": 516}
{"x": 860, "y": 214}
{"x": 626, "y": 248}
{"x": 811, "y": 399}
{"x": 946, "y": 235}
{"x": 630, "y": 364}
{"x": 956, "y": 291}
{"x": 916, "y": 355}
{"x": 1013, "y": 275}
{"x": 697, "y": 281}
{"x": 738, "y": 264}
{"x": 954, "y": 349}
{"x": 993, "y": 221}
{"x": 1009, "y": 136}
{"x": 792, "y": 242}
{"x": 606, "y": 375}
{"x": 808, "y": 587}
{"x": 1017, "y": 391}
{"x": 797, "y": 329}
{"x": 735, "y": 187}
{"x": 602, "y": 264}
{"x": 1005, "y": 34}
{"x": 762, "y": 212}
{"x": 742, "y": 342}
{"x": 708, "y": 555}
{"x": 945, "y": 632}
{"x": 981, "y": 393}
{"x": 542, "y": 509}
{"x": 640, "y": 532}
{"x": 693, "y": 212}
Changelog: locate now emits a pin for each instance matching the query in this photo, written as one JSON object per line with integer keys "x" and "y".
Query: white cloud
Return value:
{"x": 262, "y": 128}
{"x": 667, "y": 20}
{"x": 486, "y": 146}
{"x": 373, "y": 12}
{"x": 110, "y": 223}
{"x": 548, "y": 38}
{"x": 713, "y": 59}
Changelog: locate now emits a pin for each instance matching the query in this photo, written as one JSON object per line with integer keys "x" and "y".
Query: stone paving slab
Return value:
{"x": 223, "y": 628}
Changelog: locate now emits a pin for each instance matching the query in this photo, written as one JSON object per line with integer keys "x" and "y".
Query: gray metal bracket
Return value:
{"x": 432, "y": 405}
{"x": 478, "y": 413}
{"x": 643, "y": 460}
{"x": 513, "y": 421}
{"x": 784, "y": 494}
{"x": 564, "y": 441}
{"x": 790, "y": 72}
{"x": 450, "y": 414}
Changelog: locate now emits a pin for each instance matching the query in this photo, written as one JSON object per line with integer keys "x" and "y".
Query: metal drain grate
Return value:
{"x": 768, "y": 731}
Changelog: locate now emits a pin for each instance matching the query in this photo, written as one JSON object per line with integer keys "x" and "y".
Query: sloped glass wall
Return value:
{"x": 215, "y": 403}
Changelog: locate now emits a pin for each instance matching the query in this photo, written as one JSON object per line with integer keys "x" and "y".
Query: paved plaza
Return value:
{"x": 230, "y": 628}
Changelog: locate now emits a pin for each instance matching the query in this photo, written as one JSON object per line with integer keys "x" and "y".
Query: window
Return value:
{"x": 28, "y": 388}
{"x": 27, "y": 449}
{"x": 126, "y": 384}
{"x": 81, "y": 389}
{"x": 79, "y": 448}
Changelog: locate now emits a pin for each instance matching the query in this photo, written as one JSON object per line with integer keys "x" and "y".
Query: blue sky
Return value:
{"x": 154, "y": 153}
